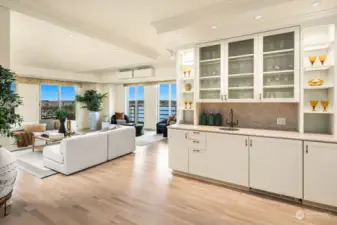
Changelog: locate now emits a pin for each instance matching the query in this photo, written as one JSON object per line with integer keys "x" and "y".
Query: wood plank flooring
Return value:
{"x": 140, "y": 189}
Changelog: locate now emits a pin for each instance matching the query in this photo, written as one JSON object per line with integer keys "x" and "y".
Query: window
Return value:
{"x": 12, "y": 88}
{"x": 54, "y": 97}
{"x": 136, "y": 104}
{"x": 167, "y": 100}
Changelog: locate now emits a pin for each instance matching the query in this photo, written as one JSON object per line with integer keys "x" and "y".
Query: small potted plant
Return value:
{"x": 61, "y": 114}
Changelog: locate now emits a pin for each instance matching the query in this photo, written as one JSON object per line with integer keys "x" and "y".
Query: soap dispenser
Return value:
{"x": 218, "y": 119}
{"x": 210, "y": 119}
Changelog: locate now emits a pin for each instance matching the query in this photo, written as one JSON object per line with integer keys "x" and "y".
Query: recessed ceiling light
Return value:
{"x": 316, "y": 3}
{"x": 178, "y": 33}
{"x": 214, "y": 27}
{"x": 70, "y": 35}
{"x": 258, "y": 17}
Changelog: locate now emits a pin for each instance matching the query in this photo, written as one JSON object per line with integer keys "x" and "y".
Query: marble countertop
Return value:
{"x": 260, "y": 133}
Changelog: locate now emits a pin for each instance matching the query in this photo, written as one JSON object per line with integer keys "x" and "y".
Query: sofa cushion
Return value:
{"x": 53, "y": 153}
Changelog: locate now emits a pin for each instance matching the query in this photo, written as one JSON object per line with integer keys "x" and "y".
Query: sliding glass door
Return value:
{"x": 136, "y": 104}
{"x": 167, "y": 100}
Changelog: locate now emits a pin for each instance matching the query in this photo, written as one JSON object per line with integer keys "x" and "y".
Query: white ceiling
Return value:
{"x": 141, "y": 30}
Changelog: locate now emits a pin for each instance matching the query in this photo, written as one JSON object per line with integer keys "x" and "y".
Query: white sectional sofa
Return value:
{"x": 81, "y": 152}
{"x": 121, "y": 141}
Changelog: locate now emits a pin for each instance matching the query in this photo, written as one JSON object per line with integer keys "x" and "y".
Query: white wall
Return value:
{"x": 120, "y": 98}
{"x": 151, "y": 106}
{"x": 30, "y": 94}
{"x": 5, "y": 37}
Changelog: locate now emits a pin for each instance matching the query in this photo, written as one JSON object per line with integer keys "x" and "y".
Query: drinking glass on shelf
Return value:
{"x": 322, "y": 59}
{"x": 190, "y": 103}
{"x": 277, "y": 79}
{"x": 185, "y": 102}
{"x": 312, "y": 60}
{"x": 324, "y": 105}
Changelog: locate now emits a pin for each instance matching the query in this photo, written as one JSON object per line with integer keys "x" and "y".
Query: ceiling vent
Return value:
{"x": 138, "y": 72}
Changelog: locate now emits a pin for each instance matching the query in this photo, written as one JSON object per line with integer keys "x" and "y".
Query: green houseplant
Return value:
{"x": 9, "y": 100}
{"x": 92, "y": 101}
{"x": 61, "y": 114}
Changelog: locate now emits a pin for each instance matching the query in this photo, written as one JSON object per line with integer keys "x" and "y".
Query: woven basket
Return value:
{"x": 8, "y": 172}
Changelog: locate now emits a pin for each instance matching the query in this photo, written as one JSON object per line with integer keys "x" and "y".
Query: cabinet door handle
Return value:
{"x": 195, "y": 150}
{"x": 225, "y": 97}
{"x": 195, "y": 132}
{"x": 221, "y": 97}
{"x": 306, "y": 149}
{"x": 185, "y": 135}
{"x": 246, "y": 142}
{"x": 196, "y": 142}
{"x": 260, "y": 96}
{"x": 251, "y": 143}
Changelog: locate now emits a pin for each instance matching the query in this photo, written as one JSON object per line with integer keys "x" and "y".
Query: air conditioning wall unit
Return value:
{"x": 145, "y": 72}
{"x": 123, "y": 75}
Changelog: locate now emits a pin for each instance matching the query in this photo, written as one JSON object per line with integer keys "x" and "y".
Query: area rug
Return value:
{"x": 32, "y": 162}
{"x": 149, "y": 137}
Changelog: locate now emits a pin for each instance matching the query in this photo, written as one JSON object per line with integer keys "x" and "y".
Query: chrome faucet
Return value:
{"x": 232, "y": 124}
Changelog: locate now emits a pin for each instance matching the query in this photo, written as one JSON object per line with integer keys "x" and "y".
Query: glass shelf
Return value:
{"x": 241, "y": 69}
{"x": 278, "y": 65}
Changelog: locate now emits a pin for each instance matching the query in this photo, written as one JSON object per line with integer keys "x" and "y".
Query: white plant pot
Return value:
{"x": 8, "y": 172}
{"x": 93, "y": 120}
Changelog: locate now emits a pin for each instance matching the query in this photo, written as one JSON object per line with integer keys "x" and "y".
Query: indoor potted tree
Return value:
{"x": 93, "y": 102}
{"x": 9, "y": 100}
{"x": 61, "y": 114}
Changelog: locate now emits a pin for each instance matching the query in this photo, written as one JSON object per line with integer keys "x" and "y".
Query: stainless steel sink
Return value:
{"x": 229, "y": 128}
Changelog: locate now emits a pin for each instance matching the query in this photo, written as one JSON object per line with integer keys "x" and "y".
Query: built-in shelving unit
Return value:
{"x": 318, "y": 41}
{"x": 186, "y": 86}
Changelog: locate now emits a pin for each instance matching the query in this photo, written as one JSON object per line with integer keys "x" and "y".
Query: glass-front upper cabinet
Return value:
{"x": 210, "y": 72}
{"x": 280, "y": 64}
{"x": 240, "y": 69}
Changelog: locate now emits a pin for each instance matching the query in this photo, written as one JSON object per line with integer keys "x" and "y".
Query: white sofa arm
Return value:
{"x": 121, "y": 141}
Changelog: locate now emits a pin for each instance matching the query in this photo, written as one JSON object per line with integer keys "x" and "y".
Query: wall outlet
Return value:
{"x": 281, "y": 121}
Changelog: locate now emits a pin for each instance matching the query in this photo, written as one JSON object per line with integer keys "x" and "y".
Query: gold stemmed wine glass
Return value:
{"x": 190, "y": 102}
{"x": 185, "y": 102}
{"x": 322, "y": 59}
{"x": 312, "y": 59}
{"x": 313, "y": 104}
{"x": 324, "y": 104}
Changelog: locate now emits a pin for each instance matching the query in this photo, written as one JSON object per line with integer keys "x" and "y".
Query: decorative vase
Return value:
{"x": 62, "y": 128}
{"x": 8, "y": 175}
{"x": 93, "y": 120}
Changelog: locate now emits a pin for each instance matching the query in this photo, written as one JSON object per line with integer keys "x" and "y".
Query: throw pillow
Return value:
{"x": 119, "y": 116}
{"x": 35, "y": 128}
{"x": 171, "y": 118}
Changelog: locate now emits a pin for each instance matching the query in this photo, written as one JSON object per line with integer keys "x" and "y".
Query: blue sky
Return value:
{"x": 163, "y": 92}
{"x": 50, "y": 92}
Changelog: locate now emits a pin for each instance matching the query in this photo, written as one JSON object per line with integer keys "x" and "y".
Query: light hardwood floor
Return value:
{"x": 140, "y": 189}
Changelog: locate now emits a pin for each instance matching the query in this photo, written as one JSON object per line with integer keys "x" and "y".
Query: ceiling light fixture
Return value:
{"x": 214, "y": 27}
{"x": 316, "y": 3}
{"x": 178, "y": 33}
{"x": 173, "y": 54}
{"x": 258, "y": 17}
{"x": 70, "y": 35}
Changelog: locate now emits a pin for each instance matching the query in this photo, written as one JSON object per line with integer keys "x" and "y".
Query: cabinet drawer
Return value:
{"x": 197, "y": 144}
{"x": 196, "y": 135}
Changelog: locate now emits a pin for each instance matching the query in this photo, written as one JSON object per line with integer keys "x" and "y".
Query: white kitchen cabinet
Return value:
{"x": 178, "y": 149}
{"x": 320, "y": 173}
{"x": 276, "y": 166}
{"x": 263, "y": 67}
{"x": 210, "y": 72}
{"x": 227, "y": 157}
{"x": 241, "y": 74}
{"x": 198, "y": 162}
{"x": 279, "y": 65}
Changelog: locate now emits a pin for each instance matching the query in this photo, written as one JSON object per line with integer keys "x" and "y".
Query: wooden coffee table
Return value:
{"x": 40, "y": 147}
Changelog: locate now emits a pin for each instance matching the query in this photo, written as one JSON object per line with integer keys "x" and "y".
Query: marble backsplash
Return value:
{"x": 258, "y": 115}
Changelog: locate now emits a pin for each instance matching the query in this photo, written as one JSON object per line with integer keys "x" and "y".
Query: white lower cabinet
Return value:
{"x": 320, "y": 173}
{"x": 276, "y": 166}
{"x": 198, "y": 162}
{"x": 227, "y": 157}
{"x": 178, "y": 150}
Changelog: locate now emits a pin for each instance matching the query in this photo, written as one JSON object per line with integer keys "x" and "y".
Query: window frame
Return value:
{"x": 136, "y": 104}
{"x": 169, "y": 100}
{"x": 59, "y": 98}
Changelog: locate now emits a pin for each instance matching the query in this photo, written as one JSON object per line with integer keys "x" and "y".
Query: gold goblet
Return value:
{"x": 312, "y": 59}
{"x": 185, "y": 102}
{"x": 190, "y": 102}
{"x": 322, "y": 59}
{"x": 313, "y": 104}
{"x": 324, "y": 104}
